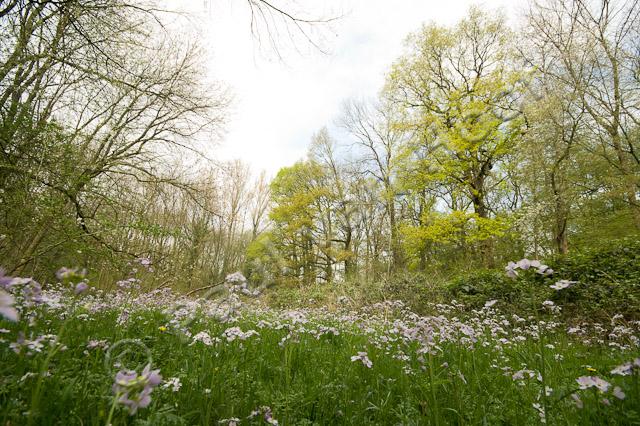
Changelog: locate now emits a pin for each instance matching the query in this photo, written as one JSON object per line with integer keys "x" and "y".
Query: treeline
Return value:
{"x": 486, "y": 144}
{"x": 105, "y": 111}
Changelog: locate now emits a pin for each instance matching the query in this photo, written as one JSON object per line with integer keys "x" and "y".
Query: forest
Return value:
{"x": 478, "y": 219}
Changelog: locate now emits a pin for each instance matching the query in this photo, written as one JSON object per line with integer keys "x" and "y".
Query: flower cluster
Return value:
{"x": 562, "y": 284}
{"x": 133, "y": 390}
{"x": 526, "y": 264}
{"x": 364, "y": 357}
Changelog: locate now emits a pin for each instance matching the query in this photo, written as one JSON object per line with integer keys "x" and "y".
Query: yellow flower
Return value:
{"x": 591, "y": 369}
{"x": 162, "y": 328}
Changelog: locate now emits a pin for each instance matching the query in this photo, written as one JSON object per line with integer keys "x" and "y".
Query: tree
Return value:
{"x": 593, "y": 45}
{"x": 460, "y": 93}
{"x": 381, "y": 142}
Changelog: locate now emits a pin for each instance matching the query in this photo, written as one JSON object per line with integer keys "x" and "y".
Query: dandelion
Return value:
{"x": 362, "y": 356}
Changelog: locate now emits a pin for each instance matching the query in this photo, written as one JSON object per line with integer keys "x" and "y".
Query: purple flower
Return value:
{"x": 524, "y": 264}
{"x": 510, "y": 270}
{"x": 81, "y": 287}
{"x": 627, "y": 368}
{"x": 362, "y": 356}
{"x": 134, "y": 391}
{"x": 6, "y": 306}
{"x": 618, "y": 393}
{"x": 146, "y": 263}
{"x": 586, "y": 382}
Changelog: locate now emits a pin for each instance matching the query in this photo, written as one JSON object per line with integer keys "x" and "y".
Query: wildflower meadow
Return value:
{"x": 72, "y": 354}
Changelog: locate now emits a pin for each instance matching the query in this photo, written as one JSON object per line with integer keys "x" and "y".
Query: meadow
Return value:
{"x": 75, "y": 355}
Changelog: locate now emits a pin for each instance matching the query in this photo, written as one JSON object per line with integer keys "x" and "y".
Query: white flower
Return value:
{"x": 490, "y": 303}
{"x": 174, "y": 383}
{"x": 562, "y": 284}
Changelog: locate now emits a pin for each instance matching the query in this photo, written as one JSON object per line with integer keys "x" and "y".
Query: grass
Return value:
{"x": 425, "y": 370}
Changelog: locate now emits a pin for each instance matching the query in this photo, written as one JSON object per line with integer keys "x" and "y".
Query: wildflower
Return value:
{"x": 524, "y": 264}
{"x": 586, "y": 382}
{"x": 591, "y": 369}
{"x": 162, "y": 328}
{"x": 490, "y": 303}
{"x": 562, "y": 284}
{"x": 234, "y": 333}
{"x": 233, "y": 421}
{"x": 236, "y": 277}
{"x": 173, "y": 383}
{"x": 134, "y": 391}
{"x": 93, "y": 344}
{"x": 626, "y": 369}
{"x": 362, "y": 356}
{"x": 6, "y": 307}
{"x": 145, "y": 262}
{"x": 544, "y": 270}
{"x": 203, "y": 337}
{"x": 207, "y": 391}
{"x": 541, "y": 413}
{"x": 81, "y": 287}
{"x": 577, "y": 400}
{"x": 618, "y": 393}
{"x": 268, "y": 417}
{"x": 510, "y": 270}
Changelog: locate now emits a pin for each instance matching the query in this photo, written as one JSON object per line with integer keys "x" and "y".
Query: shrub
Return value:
{"x": 607, "y": 280}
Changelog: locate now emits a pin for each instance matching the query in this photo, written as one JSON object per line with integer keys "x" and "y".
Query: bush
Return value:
{"x": 607, "y": 281}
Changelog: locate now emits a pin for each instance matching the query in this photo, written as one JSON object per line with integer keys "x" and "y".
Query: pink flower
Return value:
{"x": 134, "y": 391}
{"x": 586, "y": 382}
{"x": 6, "y": 307}
{"x": 362, "y": 356}
{"x": 618, "y": 393}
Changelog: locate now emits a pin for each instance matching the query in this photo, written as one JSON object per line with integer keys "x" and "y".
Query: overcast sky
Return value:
{"x": 280, "y": 103}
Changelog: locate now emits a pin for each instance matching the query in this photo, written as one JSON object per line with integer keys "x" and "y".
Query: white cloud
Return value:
{"x": 280, "y": 104}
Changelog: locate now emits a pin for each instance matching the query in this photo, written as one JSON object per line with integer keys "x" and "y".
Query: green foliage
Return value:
{"x": 305, "y": 378}
{"x": 607, "y": 280}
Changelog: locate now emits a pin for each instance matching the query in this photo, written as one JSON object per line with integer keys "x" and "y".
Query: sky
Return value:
{"x": 282, "y": 97}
